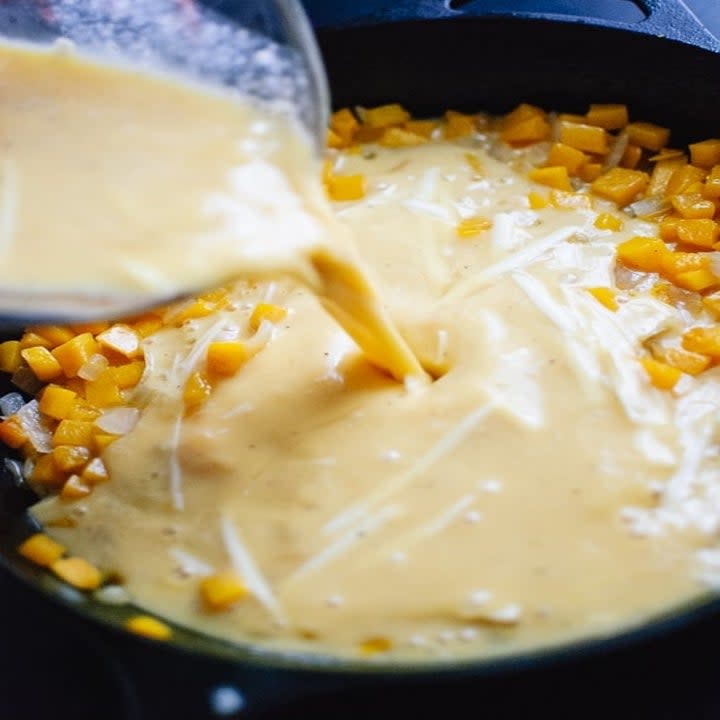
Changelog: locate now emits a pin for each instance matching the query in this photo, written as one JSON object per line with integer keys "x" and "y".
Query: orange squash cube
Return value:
{"x": 693, "y": 206}
{"x": 10, "y": 357}
{"x": 703, "y": 340}
{"x": 222, "y": 590}
{"x": 345, "y": 188}
{"x": 647, "y": 135}
{"x": 197, "y": 390}
{"x": 705, "y": 153}
{"x": 57, "y": 402}
{"x": 554, "y": 177}
{"x": 149, "y": 627}
{"x": 608, "y": 221}
{"x": 569, "y": 157}
{"x": 226, "y": 357}
{"x": 384, "y": 115}
{"x": 77, "y": 572}
{"x": 661, "y": 375}
{"x": 11, "y": 433}
{"x": 266, "y": 311}
{"x": 581, "y": 136}
{"x": 642, "y": 253}
{"x": 73, "y": 354}
{"x": 42, "y": 363}
{"x": 605, "y": 296}
{"x": 41, "y": 550}
{"x": 73, "y": 432}
{"x": 608, "y": 116}
{"x": 529, "y": 130}
{"x": 620, "y": 185}
{"x": 702, "y": 233}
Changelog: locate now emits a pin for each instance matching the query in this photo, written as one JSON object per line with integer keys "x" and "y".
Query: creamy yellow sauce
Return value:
{"x": 120, "y": 189}
{"x": 538, "y": 491}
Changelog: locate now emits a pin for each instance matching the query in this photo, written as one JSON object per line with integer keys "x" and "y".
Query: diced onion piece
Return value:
{"x": 649, "y": 206}
{"x": 11, "y": 403}
{"x": 34, "y": 427}
{"x": 617, "y": 151}
{"x": 118, "y": 420}
{"x": 95, "y": 365}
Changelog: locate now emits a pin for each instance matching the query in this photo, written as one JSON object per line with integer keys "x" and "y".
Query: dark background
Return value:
{"x": 53, "y": 665}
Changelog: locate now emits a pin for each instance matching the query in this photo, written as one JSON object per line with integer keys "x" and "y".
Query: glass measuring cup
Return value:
{"x": 262, "y": 49}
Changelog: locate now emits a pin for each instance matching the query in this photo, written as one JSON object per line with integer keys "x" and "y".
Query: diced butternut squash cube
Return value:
{"x": 683, "y": 178}
{"x": 537, "y": 201}
{"x": 711, "y": 303}
{"x": 266, "y": 311}
{"x": 608, "y": 221}
{"x": 568, "y": 157}
{"x": 74, "y": 488}
{"x": 95, "y": 471}
{"x": 221, "y": 590}
{"x": 590, "y": 171}
{"x": 149, "y": 627}
{"x": 102, "y": 440}
{"x": 605, "y": 296}
{"x": 673, "y": 263}
{"x": 375, "y": 646}
{"x": 661, "y": 375}
{"x": 344, "y": 124}
{"x": 711, "y": 189}
{"x": 621, "y": 185}
{"x": 83, "y": 410}
{"x": 472, "y": 226}
{"x": 555, "y": 177}
{"x": 458, "y": 125}
{"x": 705, "y": 153}
{"x": 128, "y": 375}
{"x": 146, "y": 326}
{"x": 78, "y": 572}
{"x": 421, "y": 127}
{"x": 345, "y": 188}
{"x": 54, "y": 334}
{"x": 197, "y": 390}
{"x": 32, "y": 339}
{"x": 93, "y": 327}
{"x": 10, "y": 357}
{"x": 693, "y": 206}
{"x": 73, "y": 432}
{"x": 384, "y": 116}
{"x": 226, "y": 357}
{"x": 57, "y": 402}
{"x": 696, "y": 280}
{"x": 608, "y": 116}
{"x": 41, "y": 550}
{"x": 703, "y": 340}
{"x": 11, "y": 433}
{"x": 522, "y": 112}
{"x": 333, "y": 140}
{"x": 524, "y": 132}
{"x": 688, "y": 362}
{"x": 42, "y": 363}
{"x": 698, "y": 233}
{"x": 70, "y": 458}
{"x": 581, "y": 136}
{"x": 190, "y": 310}
{"x": 631, "y": 156}
{"x": 661, "y": 174}
{"x": 647, "y": 135}
{"x": 642, "y": 253}
{"x": 73, "y": 354}
{"x": 399, "y": 137}
{"x": 104, "y": 391}
{"x": 45, "y": 472}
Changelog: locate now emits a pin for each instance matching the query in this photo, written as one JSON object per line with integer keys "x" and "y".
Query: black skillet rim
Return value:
{"x": 187, "y": 642}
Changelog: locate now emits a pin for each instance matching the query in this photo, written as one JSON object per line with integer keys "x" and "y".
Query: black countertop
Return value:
{"x": 52, "y": 665}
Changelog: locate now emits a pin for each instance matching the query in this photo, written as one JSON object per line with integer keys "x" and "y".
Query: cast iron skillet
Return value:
{"x": 469, "y": 55}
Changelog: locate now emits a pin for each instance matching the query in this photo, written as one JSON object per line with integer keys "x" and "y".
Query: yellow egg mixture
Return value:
{"x": 237, "y": 465}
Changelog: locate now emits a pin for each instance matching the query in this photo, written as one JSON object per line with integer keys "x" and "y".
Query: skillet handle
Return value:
{"x": 671, "y": 19}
